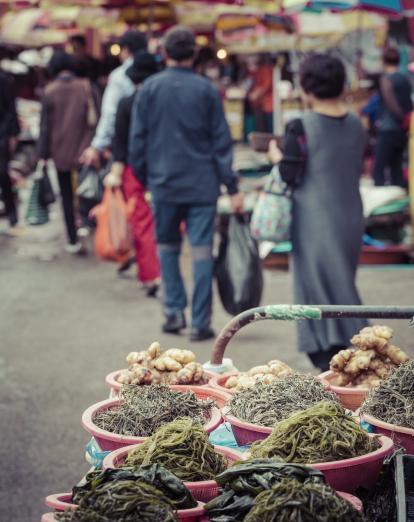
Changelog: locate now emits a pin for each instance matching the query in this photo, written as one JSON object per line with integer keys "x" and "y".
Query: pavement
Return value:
{"x": 65, "y": 322}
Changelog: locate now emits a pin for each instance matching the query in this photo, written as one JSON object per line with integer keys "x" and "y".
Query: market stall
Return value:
{"x": 161, "y": 451}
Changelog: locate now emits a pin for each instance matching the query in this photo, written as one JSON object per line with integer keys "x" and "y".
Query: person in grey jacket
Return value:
{"x": 181, "y": 148}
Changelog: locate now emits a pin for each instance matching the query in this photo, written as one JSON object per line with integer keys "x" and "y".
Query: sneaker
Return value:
{"x": 152, "y": 288}
{"x": 126, "y": 265}
{"x": 174, "y": 323}
{"x": 16, "y": 231}
{"x": 202, "y": 334}
{"x": 73, "y": 248}
{"x": 84, "y": 232}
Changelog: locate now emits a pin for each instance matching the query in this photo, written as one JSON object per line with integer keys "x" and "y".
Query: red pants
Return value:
{"x": 142, "y": 228}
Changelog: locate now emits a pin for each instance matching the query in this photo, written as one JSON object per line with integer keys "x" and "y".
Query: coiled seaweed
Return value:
{"x": 291, "y": 501}
{"x": 265, "y": 404}
{"x": 182, "y": 447}
{"x": 324, "y": 432}
{"x": 122, "y": 501}
{"x": 143, "y": 409}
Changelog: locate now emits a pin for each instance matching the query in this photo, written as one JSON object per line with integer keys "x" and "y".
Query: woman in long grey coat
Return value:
{"x": 322, "y": 159}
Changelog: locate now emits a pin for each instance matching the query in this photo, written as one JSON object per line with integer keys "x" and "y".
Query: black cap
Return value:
{"x": 144, "y": 66}
{"x": 180, "y": 43}
{"x": 134, "y": 41}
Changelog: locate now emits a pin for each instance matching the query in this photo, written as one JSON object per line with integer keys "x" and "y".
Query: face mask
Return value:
{"x": 213, "y": 73}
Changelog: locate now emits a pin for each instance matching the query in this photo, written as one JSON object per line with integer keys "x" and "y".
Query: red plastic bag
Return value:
{"x": 112, "y": 238}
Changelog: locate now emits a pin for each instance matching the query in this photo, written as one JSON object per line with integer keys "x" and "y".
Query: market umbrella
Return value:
{"x": 384, "y": 6}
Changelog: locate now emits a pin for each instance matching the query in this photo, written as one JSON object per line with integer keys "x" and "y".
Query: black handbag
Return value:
{"x": 46, "y": 195}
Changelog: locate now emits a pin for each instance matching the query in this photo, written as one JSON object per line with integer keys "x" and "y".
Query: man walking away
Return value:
{"x": 119, "y": 86}
{"x": 181, "y": 146}
{"x": 396, "y": 105}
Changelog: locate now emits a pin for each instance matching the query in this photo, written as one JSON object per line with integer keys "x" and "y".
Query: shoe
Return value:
{"x": 151, "y": 289}
{"x": 174, "y": 323}
{"x": 73, "y": 248}
{"x": 16, "y": 231}
{"x": 202, "y": 334}
{"x": 84, "y": 232}
{"x": 126, "y": 265}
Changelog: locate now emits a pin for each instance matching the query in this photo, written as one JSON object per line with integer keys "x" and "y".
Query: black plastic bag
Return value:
{"x": 46, "y": 195}
{"x": 238, "y": 269}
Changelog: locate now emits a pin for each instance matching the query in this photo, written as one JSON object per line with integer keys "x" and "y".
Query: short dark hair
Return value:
{"x": 78, "y": 39}
{"x": 144, "y": 66}
{"x": 322, "y": 75}
{"x": 180, "y": 43}
{"x": 61, "y": 61}
{"x": 134, "y": 41}
{"x": 391, "y": 56}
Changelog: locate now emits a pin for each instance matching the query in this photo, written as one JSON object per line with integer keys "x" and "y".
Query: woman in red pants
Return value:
{"x": 141, "y": 221}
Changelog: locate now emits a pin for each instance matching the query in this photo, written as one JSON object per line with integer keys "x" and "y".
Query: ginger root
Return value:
{"x": 181, "y": 356}
{"x": 369, "y": 360}
{"x": 360, "y": 361}
{"x": 165, "y": 363}
{"x": 341, "y": 359}
{"x": 256, "y": 370}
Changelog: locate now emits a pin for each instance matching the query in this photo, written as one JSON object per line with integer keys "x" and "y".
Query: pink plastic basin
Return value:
{"x": 402, "y": 437}
{"x": 218, "y": 382}
{"x": 111, "y": 381}
{"x": 349, "y": 474}
{"x": 189, "y": 515}
{"x": 350, "y": 398}
{"x": 111, "y": 441}
{"x": 203, "y": 490}
{"x": 245, "y": 432}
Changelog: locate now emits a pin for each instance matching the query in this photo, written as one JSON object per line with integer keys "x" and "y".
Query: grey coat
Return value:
{"x": 328, "y": 227}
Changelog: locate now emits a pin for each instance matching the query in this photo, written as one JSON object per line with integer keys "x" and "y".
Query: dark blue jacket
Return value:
{"x": 180, "y": 142}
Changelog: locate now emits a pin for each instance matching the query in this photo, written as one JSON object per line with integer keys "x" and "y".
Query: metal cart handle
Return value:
{"x": 299, "y": 312}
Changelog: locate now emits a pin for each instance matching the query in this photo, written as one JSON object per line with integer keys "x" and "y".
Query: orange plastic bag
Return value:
{"x": 112, "y": 238}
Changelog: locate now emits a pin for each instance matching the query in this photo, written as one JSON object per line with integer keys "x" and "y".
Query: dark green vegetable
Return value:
{"x": 324, "y": 432}
{"x": 244, "y": 481}
{"x": 143, "y": 409}
{"x": 292, "y": 501}
{"x": 182, "y": 447}
{"x": 153, "y": 474}
{"x": 123, "y": 501}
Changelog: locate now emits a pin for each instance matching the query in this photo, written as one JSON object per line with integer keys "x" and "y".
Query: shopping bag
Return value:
{"x": 112, "y": 238}
{"x": 36, "y": 214}
{"x": 46, "y": 194}
{"x": 238, "y": 268}
{"x": 91, "y": 184}
{"x": 272, "y": 215}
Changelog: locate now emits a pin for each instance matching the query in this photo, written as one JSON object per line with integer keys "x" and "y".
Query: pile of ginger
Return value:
{"x": 369, "y": 360}
{"x": 152, "y": 366}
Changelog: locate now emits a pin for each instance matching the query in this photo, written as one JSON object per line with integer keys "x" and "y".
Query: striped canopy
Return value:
{"x": 385, "y": 6}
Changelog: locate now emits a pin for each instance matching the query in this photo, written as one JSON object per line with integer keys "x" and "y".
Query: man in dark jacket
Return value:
{"x": 180, "y": 145}
{"x": 9, "y": 131}
{"x": 396, "y": 106}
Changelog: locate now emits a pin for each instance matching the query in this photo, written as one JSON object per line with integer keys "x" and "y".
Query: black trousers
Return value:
{"x": 66, "y": 192}
{"x": 389, "y": 153}
{"x": 8, "y": 197}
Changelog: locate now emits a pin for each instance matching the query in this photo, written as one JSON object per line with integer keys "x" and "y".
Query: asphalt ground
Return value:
{"x": 66, "y": 322}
